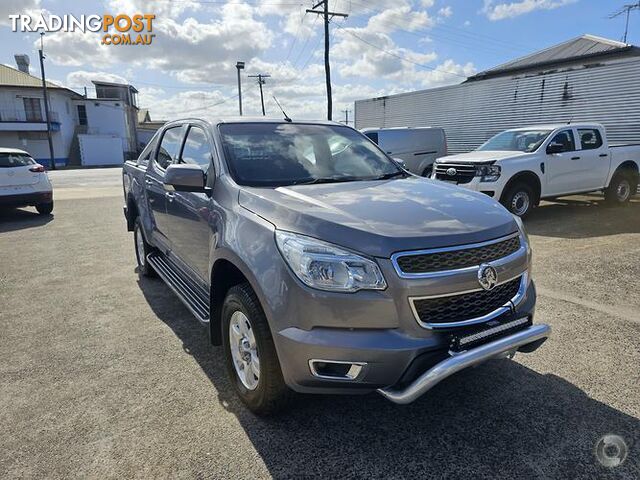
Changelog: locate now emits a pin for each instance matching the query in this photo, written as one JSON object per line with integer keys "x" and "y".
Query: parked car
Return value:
{"x": 24, "y": 182}
{"x": 323, "y": 267}
{"x": 417, "y": 147}
{"x": 521, "y": 166}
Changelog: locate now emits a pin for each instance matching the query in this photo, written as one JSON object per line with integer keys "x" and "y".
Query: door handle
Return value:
{"x": 169, "y": 196}
{"x": 575, "y": 158}
{"x": 148, "y": 182}
{"x": 603, "y": 155}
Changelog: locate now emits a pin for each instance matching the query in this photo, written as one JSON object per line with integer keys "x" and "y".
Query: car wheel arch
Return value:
{"x": 528, "y": 177}
{"x": 227, "y": 272}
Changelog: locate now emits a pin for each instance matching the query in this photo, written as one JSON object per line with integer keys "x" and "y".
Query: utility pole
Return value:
{"x": 326, "y": 14}
{"x": 239, "y": 66}
{"x": 261, "y": 82}
{"x": 626, "y": 9}
{"x": 46, "y": 102}
{"x": 346, "y": 116}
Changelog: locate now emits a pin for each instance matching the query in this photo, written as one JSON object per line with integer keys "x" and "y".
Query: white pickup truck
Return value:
{"x": 523, "y": 165}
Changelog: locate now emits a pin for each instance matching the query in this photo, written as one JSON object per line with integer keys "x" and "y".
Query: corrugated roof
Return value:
{"x": 11, "y": 77}
{"x": 583, "y": 46}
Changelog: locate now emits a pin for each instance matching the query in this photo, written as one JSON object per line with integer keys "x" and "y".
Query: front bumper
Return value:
{"x": 529, "y": 339}
{"x": 387, "y": 359}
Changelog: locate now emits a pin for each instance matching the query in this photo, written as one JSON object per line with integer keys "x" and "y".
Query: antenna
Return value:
{"x": 286, "y": 117}
{"x": 570, "y": 120}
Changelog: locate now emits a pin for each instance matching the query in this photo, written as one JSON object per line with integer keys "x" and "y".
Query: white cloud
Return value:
{"x": 83, "y": 78}
{"x": 502, "y": 11}
{"x": 445, "y": 12}
{"x": 402, "y": 17}
{"x": 12, "y": 7}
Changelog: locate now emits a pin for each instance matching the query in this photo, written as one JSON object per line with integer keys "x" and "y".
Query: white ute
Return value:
{"x": 24, "y": 182}
{"x": 519, "y": 167}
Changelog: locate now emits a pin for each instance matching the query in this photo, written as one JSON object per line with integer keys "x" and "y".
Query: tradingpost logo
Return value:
{"x": 118, "y": 29}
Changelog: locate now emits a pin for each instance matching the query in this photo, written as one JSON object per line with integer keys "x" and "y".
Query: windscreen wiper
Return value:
{"x": 316, "y": 181}
{"x": 387, "y": 176}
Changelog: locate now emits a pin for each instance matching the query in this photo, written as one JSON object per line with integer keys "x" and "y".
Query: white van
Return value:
{"x": 417, "y": 147}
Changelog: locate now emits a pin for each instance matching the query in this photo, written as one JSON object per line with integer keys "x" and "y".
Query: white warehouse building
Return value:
{"x": 588, "y": 79}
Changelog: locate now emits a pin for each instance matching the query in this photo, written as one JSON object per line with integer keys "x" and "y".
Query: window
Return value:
{"x": 82, "y": 114}
{"x": 590, "y": 138}
{"x": 516, "y": 140}
{"x": 9, "y": 160}
{"x": 196, "y": 149}
{"x": 32, "y": 109}
{"x": 144, "y": 157}
{"x": 169, "y": 146}
{"x": 565, "y": 138}
{"x": 373, "y": 136}
{"x": 276, "y": 154}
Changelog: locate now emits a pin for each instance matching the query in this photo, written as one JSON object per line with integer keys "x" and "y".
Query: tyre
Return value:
{"x": 142, "y": 250}
{"x": 519, "y": 199}
{"x": 250, "y": 355}
{"x": 622, "y": 187}
{"x": 44, "y": 208}
{"x": 427, "y": 171}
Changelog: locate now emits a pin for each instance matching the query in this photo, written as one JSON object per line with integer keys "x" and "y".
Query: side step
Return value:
{"x": 193, "y": 296}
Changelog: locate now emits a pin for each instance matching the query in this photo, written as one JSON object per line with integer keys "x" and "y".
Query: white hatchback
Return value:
{"x": 24, "y": 182}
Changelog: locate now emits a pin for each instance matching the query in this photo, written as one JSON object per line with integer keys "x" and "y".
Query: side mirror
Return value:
{"x": 555, "y": 148}
{"x": 400, "y": 162}
{"x": 184, "y": 178}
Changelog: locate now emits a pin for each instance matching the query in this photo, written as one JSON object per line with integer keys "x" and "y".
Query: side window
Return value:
{"x": 565, "y": 138}
{"x": 145, "y": 156}
{"x": 590, "y": 138}
{"x": 373, "y": 136}
{"x": 196, "y": 149}
{"x": 169, "y": 146}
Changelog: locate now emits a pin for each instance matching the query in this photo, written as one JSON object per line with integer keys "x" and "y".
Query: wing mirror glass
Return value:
{"x": 185, "y": 178}
{"x": 554, "y": 147}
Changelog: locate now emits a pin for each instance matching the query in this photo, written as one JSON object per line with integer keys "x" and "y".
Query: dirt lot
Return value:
{"x": 106, "y": 375}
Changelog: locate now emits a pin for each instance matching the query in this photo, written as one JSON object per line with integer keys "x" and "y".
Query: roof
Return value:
{"x": 114, "y": 84}
{"x": 577, "y": 48}
{"x": 11, "y": 77}
{"x": 553, "y": 126}
{"x": 12, "y": 150}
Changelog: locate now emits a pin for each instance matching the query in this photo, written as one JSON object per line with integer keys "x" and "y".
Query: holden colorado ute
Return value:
{"x": 320, "y": 265}
{"x": 520, "y": 167}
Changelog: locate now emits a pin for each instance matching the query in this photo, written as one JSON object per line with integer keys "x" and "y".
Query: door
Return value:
{"x": 191, "y": 218}
{"x": 157, "y": 196}
{"x": 594, "y": 158}
{"x": 563, "y": 172}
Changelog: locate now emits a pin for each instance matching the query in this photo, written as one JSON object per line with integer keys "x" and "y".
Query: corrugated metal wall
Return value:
{"x": 472, "y": 112}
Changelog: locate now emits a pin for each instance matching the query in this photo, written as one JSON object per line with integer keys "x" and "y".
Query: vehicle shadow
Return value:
{"x": 18, "y": 219}
{"x": 583, "y": 217}
{"x": 500, "y": 420}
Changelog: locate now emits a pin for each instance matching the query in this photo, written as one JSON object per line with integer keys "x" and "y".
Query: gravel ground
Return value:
{"x": 106, "y": 375}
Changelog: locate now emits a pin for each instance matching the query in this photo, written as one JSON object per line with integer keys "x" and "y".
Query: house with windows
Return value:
{"x": 85, "y": 131}
{"x": 22, "y": 115}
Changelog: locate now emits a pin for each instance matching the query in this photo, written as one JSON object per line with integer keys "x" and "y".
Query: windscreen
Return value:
{"x": 9, "y": 160}
{"x": 516, "y": 140}
{"x": 277, "y": 154}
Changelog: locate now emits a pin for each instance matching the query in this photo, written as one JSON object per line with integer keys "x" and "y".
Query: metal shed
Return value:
{"x": 588, "y": 79}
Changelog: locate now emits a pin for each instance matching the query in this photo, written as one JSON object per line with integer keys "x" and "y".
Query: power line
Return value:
{"x": 198, "y": 108}
{"x": 405, "y": 59}
{"x": 625, "y": 9}
{"x": 326, "y": 15}
{"x": 261, "y": 81}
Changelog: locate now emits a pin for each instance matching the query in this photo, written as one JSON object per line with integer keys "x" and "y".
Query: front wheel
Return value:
{"x": 250, "y": 355}
{"x": 622, "y": 187}
{"x": 519, "y": 199}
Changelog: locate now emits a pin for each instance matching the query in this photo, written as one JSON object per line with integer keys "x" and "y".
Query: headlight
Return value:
{"x": 488, "y": 173}
{"x": 325, "y": 266}
{"x": 523, "y": 234}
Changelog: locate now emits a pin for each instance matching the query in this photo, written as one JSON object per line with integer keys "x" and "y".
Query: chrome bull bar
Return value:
{"x": 465, "y": 359}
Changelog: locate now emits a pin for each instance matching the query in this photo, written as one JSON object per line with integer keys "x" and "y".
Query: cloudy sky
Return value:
{"x": 383, "y": 47}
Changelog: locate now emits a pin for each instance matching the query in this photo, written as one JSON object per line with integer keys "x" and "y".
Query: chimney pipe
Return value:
{"x": 23, "y": 63}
